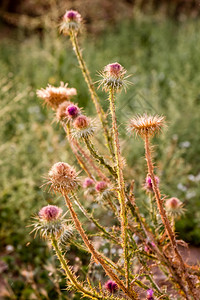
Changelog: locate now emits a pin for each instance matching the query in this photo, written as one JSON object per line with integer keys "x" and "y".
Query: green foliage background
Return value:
{"x": 163, "y": 58}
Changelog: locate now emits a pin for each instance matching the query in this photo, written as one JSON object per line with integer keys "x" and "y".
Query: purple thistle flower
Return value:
{"x": 73, "y": 110}
{"x": 88, "y": 182}
{"x": 101, "y": 186}
{"x": 150, "y": 294}
{"x": 111, "y": 286}
{"x": 148, "y": 183}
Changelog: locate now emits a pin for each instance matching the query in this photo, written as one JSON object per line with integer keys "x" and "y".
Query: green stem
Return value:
{"x": 98, "y": 157}
{"x": 97, "y": 255}
{"x": 192, "y": 289}
{"x": 70, "y": 274}
{"x": 91, "y": 218}
{"x": 94, "y": 96}
{"x": 121, "y": 191}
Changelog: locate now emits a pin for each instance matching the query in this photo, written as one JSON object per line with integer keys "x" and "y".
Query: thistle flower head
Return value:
{"x": 71, "y": 22}
{"x": 113, "y": 77}
{"x": 50, "y": 213}
{"x": 49, "y": 221}
{"x": 61, "y": 111}
{"x": 174, "y": 206}
{"x": 62, "y": 177}
{"x": 148, "y": 186}
{"x": 145, "y": 124}
{"x": 88, "y": 182}
{"x": 82, "y": 127}
{"x": 101, "y": 186}
{"x": 111, "y": 286}
{"x": 150, "y": 294}
{"x": 54, "y": 96}
{"x": 73, "y": 111}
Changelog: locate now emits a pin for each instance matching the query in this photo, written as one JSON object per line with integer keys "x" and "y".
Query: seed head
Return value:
{"x": 148, "y": 183}
{"x": 113, "y": 77}
{"x": 50, "y": 213}
{"x": 71, "y": 22}
{"x": 61, "y": 111}
{"x": 63, "y": 177}
{"x": 73, "y": 111}
{"x": 150, "y": 294}
{"x": 174, "y": 206}
{"x": 54, "y": 96}
{"x": 145, "y": 124}
{"x": 111, "y": 286}
{"x": 88, "y": 182}
{"x": 82, "y": 127}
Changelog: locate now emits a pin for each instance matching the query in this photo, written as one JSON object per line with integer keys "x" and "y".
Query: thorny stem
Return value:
{"x": 96, "y": 255}
{"x": 94, "y": 96}
{"x": 98, "y": 157}
{"x": 70, "y": 274}
{"x": 92, "y": 219}
{"x": 121, "y": 191}
{"x": 165, "y": 219}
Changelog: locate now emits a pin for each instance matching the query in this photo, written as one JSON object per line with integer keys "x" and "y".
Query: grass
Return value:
{"x": 163, "y": 58}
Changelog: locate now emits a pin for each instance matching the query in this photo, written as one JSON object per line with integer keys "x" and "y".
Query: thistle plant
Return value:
{"x": 140, "y": 243}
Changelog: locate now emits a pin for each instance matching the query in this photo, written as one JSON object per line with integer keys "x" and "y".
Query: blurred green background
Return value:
{"x": 160, "y": 48}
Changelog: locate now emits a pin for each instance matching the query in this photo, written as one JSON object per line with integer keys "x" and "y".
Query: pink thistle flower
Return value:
{"x": 101, "y": 186}
{"x": 82, "y": 127}
{"x": 111, "y": 286}
{"x": 174, "y": 207}
{"x": 71, "y": 22}
{"x": 54, "y": 96}
{"x": 88, "y": 182}
{"x": 81, "y": 122}
{"x": 63, "y": 177}
{"x": 150, "y": 294}
{"x": 50, "y": 213}
{"x": 114, "y": 69}
{"x": 148, "y": 183}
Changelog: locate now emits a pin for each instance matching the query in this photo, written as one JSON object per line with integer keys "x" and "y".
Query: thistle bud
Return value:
{"x": 88, "y": 182}
{"x": 101, "y": 186}
{"x": 65, "y": 237}
{"x": 150, "y": 294}
{"x": 71, "y": 22}
{"x": 63, "y": 177}
{"x": 174, "y": 206}
{"x": 61, "y": 111}
{"x": 148, "y": 183}
{"x": 49, "y": 221}
{"x": 111, "y": 286}
{"x": 82, "y": 127}
{"x": 54, "y": 96}
{"x": 113, "y": 77}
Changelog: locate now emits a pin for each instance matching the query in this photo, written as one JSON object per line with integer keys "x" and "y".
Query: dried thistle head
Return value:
{"x": 113, "y": 77}
{"x": 49, "y": 221}
{"x": 146, "y": 124}
{"x": 148, "y": 186}
{"x": 54, "y": 96}
{"x": 62, "y": 177}
{"x": 111, "y": 286}
{"x": 71, "y": 22}
{"x": 174, "y": 207}
{"x": 82, "y": 127}
{"x": 61, "y": 111}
